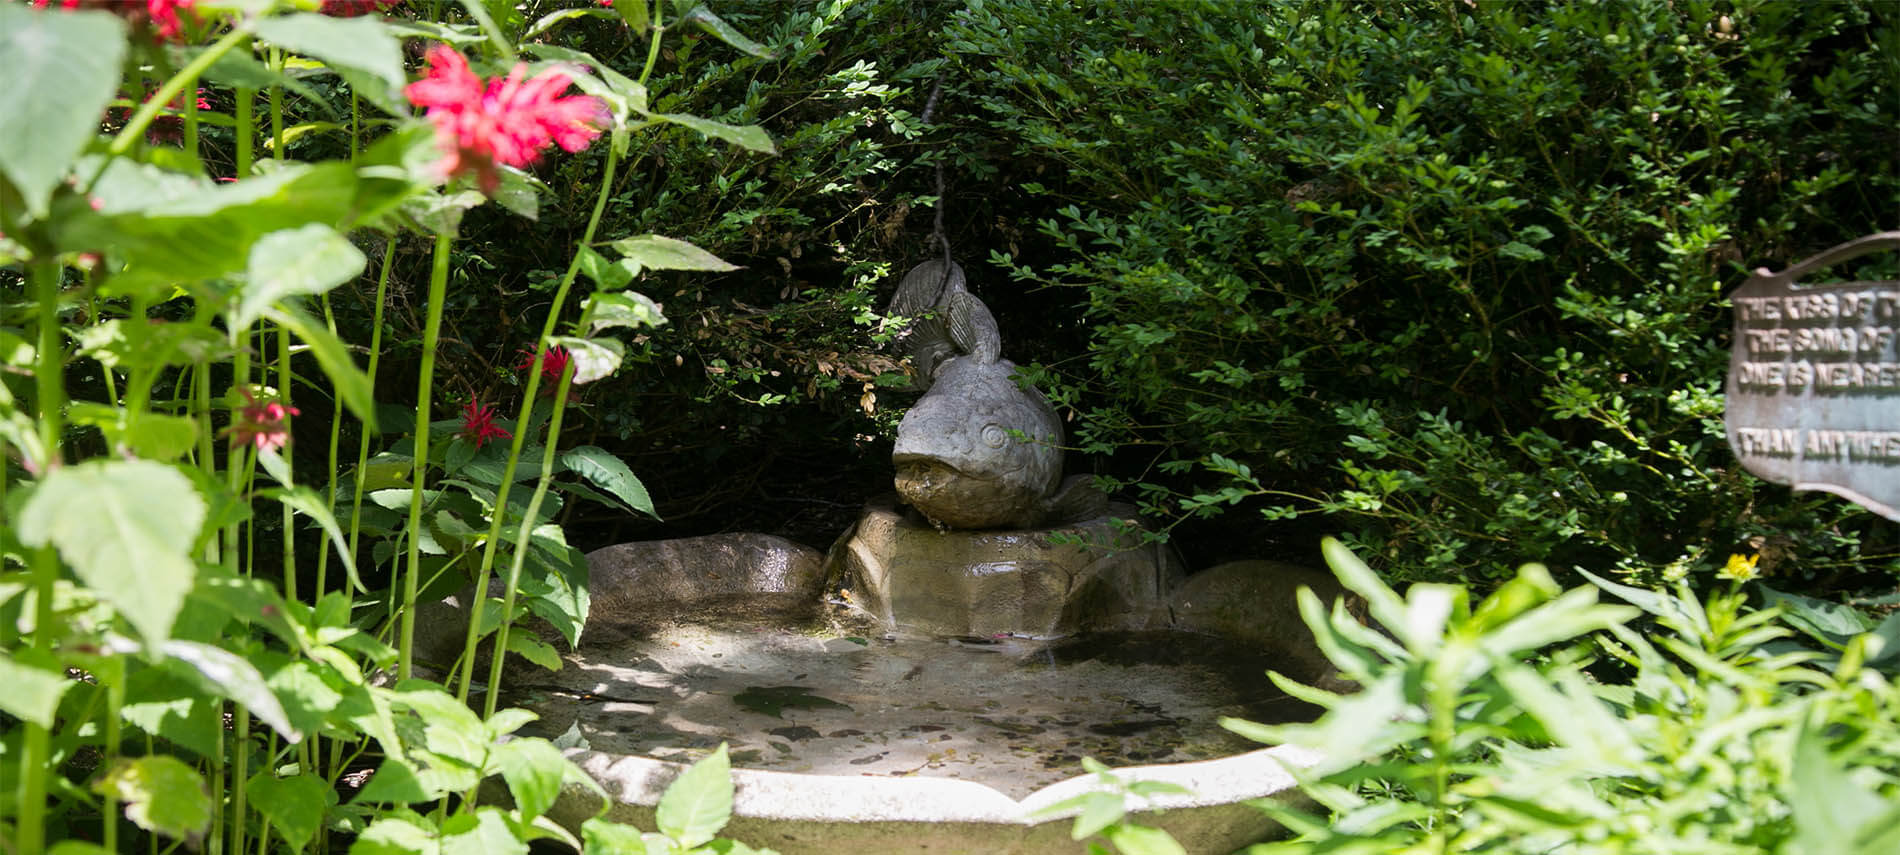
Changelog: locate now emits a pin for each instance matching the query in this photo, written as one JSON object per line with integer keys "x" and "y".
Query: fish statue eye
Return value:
{"x": 995, "y": 436}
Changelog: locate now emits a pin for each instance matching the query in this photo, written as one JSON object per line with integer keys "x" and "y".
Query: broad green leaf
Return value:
{"x": 125, "y": 527}
{"x": 1099, "y": 810}
{"x": 699, "y": 801}
{"x": 602, "y": 836}
{"x": 509, "y": 720}
{"x": 750, "y": 137}
{"x": 61, "y": 70}
{"x": 306, "y": 698}
{"x": 1833, "y": 623}
{"x": 594, "y": 358}
{"x": 607, "y": 274}
{"x": 236, "y": 678}
{"x": 654, "y": 252}
{"x": 310, "y": 259}
{"x": 396, "y": 835}
{"x": 75, "y": 847}
{"x": 533, "y": 769}
{"x": 363, "y": 43}
{"x": 1673, "y": 611}
{"x": 294, "y": 805}
{"x": 160, "y": 794}
{"x": 308, "y": 502}
{"x": 534, "y": 650}
{"x": 1133, "y": 839}
{"x": 1834, "y": 812}
{"x": 398, "y": 781}
{"x": 610, "y": 473}
{"x": 634, "y": 13}
{"x": 32, "y": 694}
{"x": 519, "y": 193}
{"x": 209, "y": 234}
{"x": 168, "y": 705}
{"x": 349, "y": 381}
{"x": 608, "y": 309}
{"x": 485, "y": 832}
{"x": 703, "y": 18}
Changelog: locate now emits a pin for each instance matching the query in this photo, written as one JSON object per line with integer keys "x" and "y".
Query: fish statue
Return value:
{"x": 978, "y": 450}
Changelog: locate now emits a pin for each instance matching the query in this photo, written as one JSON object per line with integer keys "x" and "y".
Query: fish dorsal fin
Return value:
{"x": 972, "y": 328}
{"x": 925, "y": 287}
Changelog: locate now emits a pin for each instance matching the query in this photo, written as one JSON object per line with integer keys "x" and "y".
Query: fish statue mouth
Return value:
{"x": 952, "y": 497}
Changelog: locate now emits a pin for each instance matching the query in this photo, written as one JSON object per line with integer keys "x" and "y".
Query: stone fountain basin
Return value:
{"x": 910, "y": 743}
{"x": 848, "y": 733}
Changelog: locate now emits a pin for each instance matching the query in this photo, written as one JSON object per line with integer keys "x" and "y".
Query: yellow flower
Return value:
{"x": 1739, "y": 569}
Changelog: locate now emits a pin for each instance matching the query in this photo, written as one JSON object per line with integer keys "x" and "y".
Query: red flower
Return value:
{"x": 508, "y": 122}
{"x": 161, "y": 14}
{"x": 266, "y": 426}
{"x": 353, "y": 8}
{"x": 553, "y": 363}
{"x": 478, "y": 424}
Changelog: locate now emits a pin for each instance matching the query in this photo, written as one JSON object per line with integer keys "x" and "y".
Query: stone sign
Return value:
{"x": 1814, "y": 380}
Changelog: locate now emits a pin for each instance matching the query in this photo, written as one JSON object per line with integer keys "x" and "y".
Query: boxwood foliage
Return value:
{"x": 1449, "y": 276}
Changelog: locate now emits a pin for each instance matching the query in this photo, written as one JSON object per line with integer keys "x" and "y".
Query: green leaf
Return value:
{"x": 311, "y": 259}
{"x": 349, "y": 381}
{"x": 1142, "y": 840}
{"x": 307, "y": 699}
{"x": 534, "y": 650}
{"x": 405, "y": 834}
{"x": 209, "y": 234}
{"x": 32, "y": 694}
{"x": 308, "y": 502}
{"x": 699, "y": 802}
{"x": 125, "y": 527}
{"x": 594, "y": 358}
{"x": 519, "y": 193}
{"x": 61, "y": 70}
{"x": 160, "y": 794}
{"x": 362, "y": 43}
{"x": 398, "y": 781}
{"x": 485, "y": 832}
{"x": 607, "y": 309}
{"x": 294, "y": 806}
{"x": 237, "y": 69}
{"x": 703, "y": 18}
{"x": 533, "y": 769}
{"x": 549, "y": 20}
{"x": 236, "y": 678}
{"x": 1833, "y": 811}
{"x": 1099, "y": 810}
{"x": 654, "y": 252}
{"x": 611, "y": 474}
{"x": 607, "y": 274}
{"x": 166, "y": 705}
{"x": 1833, "y": 623}
{"x": 750, "y": 137}
{"x": 602, "y": 836}
{"x": 634, "y": 12}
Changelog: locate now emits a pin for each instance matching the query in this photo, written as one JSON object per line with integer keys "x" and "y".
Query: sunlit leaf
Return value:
{"x": 125, "y": 527}
{"x": 699, "y": 802}
{"x": 61, "y": 69}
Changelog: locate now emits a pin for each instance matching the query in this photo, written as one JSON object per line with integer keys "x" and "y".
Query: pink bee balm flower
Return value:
{"x": 507, "y": 122}
{"x": 265, "y": 425}
{"x": 553, "y": 364}
{"x": 478, "y": 424}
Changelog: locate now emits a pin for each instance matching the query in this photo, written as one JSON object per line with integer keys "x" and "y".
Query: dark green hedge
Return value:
{"x": 1448, "y": 275}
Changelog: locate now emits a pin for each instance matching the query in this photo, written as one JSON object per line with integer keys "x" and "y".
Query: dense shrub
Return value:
{"x": 1450, "y": 274}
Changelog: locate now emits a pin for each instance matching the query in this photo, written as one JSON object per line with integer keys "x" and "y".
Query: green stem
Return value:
{"x": 480, "y": 600}
{"x": 522, "y": 536}
{"x": 653, "y": 43}
{"x": 431, "y": 334}
{"x": 135, "y": 128}
{"x": 30, "y": 824}
{"x": 375, "y": 355}
{"x": 277, "y": 107}
{"x": 246, "y": 128}
{"x": 289, "y": 519}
